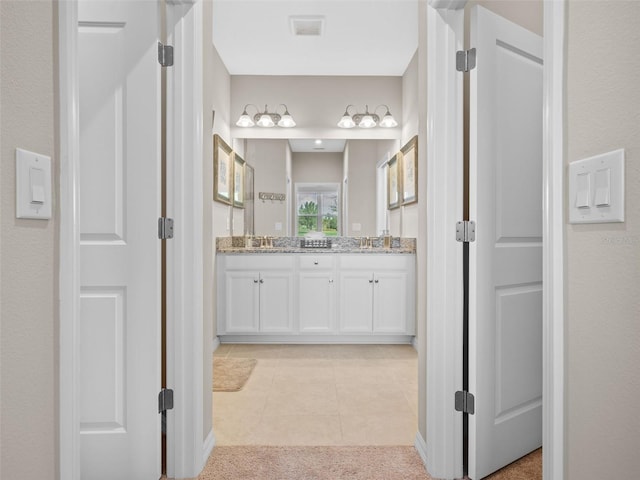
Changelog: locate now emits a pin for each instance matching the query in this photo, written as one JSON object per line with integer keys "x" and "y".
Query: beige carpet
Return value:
{"x": 339, "y": 463}
{"x": 230, "y": 374}
{"x": 314, "y": 463}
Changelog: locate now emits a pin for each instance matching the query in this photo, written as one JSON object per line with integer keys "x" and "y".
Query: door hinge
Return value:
{"x": 466, "y": 231}
{"x": 165, "y": 400}
{"x": 465, "y": 402}
{"x": 466, "y": 60}
{"x": 165, "y": 228}
{"x": 165, "y": 55}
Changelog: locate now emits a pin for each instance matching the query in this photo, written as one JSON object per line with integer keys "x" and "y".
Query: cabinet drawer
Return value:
{"x": 316, "y": 262}
{"x": 381, "y": 261}
{"x": 259, "y": 262}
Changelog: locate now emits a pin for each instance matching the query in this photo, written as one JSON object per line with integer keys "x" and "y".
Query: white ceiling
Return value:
{"x": 309, "y": 145}
{"x": 360, "y": 37}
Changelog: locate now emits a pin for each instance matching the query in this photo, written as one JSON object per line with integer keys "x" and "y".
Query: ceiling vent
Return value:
{"x": 307, "y": 25}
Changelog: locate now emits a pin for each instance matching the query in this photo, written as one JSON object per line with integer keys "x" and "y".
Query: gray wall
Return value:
{"x": 603, "y": 261}
{"x": 28, "y": 248}
{"x": 361, "y": 207}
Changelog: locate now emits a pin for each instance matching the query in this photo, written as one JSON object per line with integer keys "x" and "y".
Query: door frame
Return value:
{"x": 444, "y": 348}
{"x": 188, "y": 446}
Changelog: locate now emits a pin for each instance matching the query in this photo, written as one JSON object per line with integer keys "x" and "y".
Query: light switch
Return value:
{"x": 278, "y": 226}
{"x": 603, "y": 187}
{"x": 584, "y": 192}
{"x": 596, "y": 188}
{"x": 33, "y": 185}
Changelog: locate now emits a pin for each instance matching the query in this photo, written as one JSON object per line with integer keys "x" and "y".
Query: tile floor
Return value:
{"x": 321, "y": 395}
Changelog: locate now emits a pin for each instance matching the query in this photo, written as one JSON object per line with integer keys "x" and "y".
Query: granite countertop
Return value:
{"x": 315, "y": 251}
{"x": 236, "y": 245}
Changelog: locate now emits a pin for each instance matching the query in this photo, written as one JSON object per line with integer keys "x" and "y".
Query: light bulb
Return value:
{"x": 388, "y": 121}
{"x": 265, "y": 121}
{"x": 286, "y": 121}
{"x": 346, "y": 122}
{"x": 367, "y": 121}
{"x": 245, "y": 120}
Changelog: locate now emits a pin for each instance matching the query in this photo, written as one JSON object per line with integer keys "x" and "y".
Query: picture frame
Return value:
{"x": 393, "y": 182}
{"x": 409, "y": 172}
{"x": 238, "y": 180}
{"x": 222, "y": 171}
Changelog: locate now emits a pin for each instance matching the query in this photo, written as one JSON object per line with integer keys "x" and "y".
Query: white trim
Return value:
{"x": 215, "y": 344}
{"x": 185, "y": 348}
{"x": 421, "y": 447}
{"x": 445, "y": 30}
{"x": 207, "y": 447}
{"x": 330, "y": 339}
{"x": 69, "y": 248}
{"x": 553, "y": 241}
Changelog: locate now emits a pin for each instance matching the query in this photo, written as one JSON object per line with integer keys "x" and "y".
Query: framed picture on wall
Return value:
{"x": 393, "y": 182}
{"x": 222, "y": 171}
{"x": 409, "y": 172}
{"x": 238, "y": 181}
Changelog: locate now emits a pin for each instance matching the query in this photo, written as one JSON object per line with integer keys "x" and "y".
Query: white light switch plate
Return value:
{"x": 596, "y": 189}
{"x": 33, "y": 185}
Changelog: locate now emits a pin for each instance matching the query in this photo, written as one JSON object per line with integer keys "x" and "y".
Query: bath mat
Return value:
{"x": 230, "y": 374}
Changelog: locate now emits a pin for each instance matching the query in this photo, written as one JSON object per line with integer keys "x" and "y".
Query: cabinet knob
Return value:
{"x": 315, "y": 263}
{"x": 261, "y": 280}
{"x": 255, "y": 281}
{"x": 371, "y": 281}
{"x": 377, "y": 280}
{"x": 331, "y": 280}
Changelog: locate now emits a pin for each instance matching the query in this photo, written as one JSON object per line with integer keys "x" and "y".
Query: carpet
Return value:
{"x": 230, "y": 374}
{"x": 314, "y": 463}
{"x": 527, "y": 468}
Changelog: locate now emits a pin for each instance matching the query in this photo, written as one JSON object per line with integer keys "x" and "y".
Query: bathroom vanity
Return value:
{"x": 292, "y": 294}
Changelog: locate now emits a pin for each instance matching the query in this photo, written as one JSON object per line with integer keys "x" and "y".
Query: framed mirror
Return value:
{"x": 238, "y": 181}
{"x": 393, "y": 182}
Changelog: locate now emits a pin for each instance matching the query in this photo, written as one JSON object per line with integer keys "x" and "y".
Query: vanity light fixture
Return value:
{"x": 367, "y": 119}
{"x": 266, "y": 119}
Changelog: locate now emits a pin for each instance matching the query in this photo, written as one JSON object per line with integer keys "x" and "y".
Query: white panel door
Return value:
{"x": 505, "y": 298}
{"x": 119, "y": 331}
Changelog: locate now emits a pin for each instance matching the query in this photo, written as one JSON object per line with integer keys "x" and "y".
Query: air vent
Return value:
{"x": 307, "y": 25}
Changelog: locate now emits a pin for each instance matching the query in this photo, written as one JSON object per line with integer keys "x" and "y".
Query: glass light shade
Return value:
{"x": 245, "y": 120}
{"x": 265, "y": 121}
{"x": 286, "y": 121}
{"x": 388, "y": 121}
{"x": 346, "y": 122}
{"x": 367, "y": 122}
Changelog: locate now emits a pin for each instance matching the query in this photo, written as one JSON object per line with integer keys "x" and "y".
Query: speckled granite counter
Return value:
{"x": 236, "y": 245}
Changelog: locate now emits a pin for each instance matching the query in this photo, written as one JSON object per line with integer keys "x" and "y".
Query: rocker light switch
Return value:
{"x": 33, "y": 185}
{"x": 603, "y": 187}
{"x": 584, "y": 192}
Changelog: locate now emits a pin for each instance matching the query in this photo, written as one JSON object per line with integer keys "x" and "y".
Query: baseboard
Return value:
{"x": 207, "y": 447}
{"x": 216, "y": 344}
{"x": 421, "y": 447}
{"x": 317, "y": 339}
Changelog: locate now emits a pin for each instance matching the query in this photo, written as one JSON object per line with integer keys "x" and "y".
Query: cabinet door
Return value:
{"x": 390, "y": 302}
{"x": 241, "y": 312}
{"x": 356, "y": 301}
{"x": 316, "y": 307}
{"x": 276, "y": 300}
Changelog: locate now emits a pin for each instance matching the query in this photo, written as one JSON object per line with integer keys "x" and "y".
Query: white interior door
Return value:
{"x": 119, "y": 332}
{"x": 505, "y": 294}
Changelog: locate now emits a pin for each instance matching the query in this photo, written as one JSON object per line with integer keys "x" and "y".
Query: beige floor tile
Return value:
{"x": 355, "y": 351}
{"x": 235, "y": 429}
{"x": 306, "y": 351}
{"x": 222, "y": 350}
{"x": 304, "y": 371}
{"x": 379, "y": 429}
{"x": 258, "y": 351}
{"x": 362, "y": 372}
{"x": 298, "y": 430}
{"x": 397, "y": 351}
{"x": 371, "y": 400}
{"x": 302, "y": 399}
{"x": 411, "y": 394}
{"x": 242, "y": 402}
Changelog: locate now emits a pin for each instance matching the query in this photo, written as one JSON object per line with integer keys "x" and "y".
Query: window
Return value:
{"x": 317, "y": 209}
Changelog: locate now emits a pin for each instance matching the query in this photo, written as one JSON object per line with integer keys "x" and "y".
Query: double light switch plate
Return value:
{"x": 596, "y": 189}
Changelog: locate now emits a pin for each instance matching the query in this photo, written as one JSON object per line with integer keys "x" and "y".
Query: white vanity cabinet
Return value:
{"x": 316, "y": 293}
{"x": 316, "y": 297}
{"x": 377, "y": 294}
{"x": 255, "y": 294}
